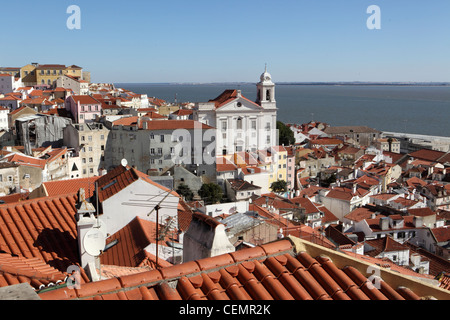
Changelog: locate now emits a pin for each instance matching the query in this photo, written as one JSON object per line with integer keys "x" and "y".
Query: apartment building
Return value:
{"x": 89, "y": 142}
{"x": 154, "y": 146}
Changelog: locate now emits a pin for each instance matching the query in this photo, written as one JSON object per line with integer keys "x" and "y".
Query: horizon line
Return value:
{"x": 297, "y": 82}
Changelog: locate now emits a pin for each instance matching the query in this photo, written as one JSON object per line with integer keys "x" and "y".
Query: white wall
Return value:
{"x": 215, "y": 210}
{"x": 130, "y": 202}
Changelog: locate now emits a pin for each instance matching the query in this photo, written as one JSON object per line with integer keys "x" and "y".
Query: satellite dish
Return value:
{"x": 94, "y": 242}
{"x": 124, "y": 162}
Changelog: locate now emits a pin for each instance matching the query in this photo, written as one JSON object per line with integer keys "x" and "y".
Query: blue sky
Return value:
{"x": 215, "y": 41}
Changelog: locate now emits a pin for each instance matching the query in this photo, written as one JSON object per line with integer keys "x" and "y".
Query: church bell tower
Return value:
{"x": 265, "y": 95}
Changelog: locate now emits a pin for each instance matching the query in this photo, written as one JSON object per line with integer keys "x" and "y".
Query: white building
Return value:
{"x": 241, "y": 124}
{"x": 4, "y": 118}
{"x": 125, "y": 193}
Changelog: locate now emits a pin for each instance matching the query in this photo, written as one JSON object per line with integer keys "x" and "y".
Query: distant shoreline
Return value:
{"x": 394, "y": 84}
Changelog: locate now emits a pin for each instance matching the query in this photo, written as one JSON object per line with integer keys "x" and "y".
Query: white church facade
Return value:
{"x": 241, "y": 124}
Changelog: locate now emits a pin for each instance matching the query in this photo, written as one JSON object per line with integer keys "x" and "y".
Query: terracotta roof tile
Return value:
{"x": 43, "y": 229}
{"x": 133, "y": 240}
{"x": 61, "y": 187}
{"x": 16, "y": 269}
{"x": 272, "y": 271}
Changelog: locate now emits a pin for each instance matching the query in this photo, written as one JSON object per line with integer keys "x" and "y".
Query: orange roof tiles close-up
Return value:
{"x": 287, "y": 269}
{"x": 43, "y": 229}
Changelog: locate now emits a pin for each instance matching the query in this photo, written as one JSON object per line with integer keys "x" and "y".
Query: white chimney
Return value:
{"x": 418, "y": 222}
{"x": 415, "y": 259}
{"x": 90, "y": 239}
{"x": 206, "y": 237}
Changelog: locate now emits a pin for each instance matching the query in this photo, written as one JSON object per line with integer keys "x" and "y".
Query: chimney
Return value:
{"x": 239, "y": 93}
{"x": 206, "y": 237}
{"x": 89, "y": 237}
{"x": 390, "y": 144}
{"x": 415, "y": 259}
{"x": 384, "y": 223}
{"x": 418, "y": 221}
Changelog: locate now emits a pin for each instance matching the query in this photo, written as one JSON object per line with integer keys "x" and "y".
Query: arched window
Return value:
{"x": 239, "y": 123}
{"x": 268, "y": 95}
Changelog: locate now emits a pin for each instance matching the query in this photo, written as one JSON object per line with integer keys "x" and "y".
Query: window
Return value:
{"x": 84, "y": 160}
{"x": 239, "y": 123}
{"x": 102, "y": 137}
{"x": 152, "y": 136}
{"x": 91, "y": 160}
{"x": 254, "y": 124}
{"x": 90, "y": 138}
{"x": 152, "y": 151}
{"x": 162, "y": 138}
{"x": 159, "y": 151}
{"x": 224, "y": 125}
{"x": 91, "y": 170}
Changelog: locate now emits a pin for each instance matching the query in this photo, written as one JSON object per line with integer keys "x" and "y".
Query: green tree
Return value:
{"x": 279, "y": 186}
{"x": 184, "y": 191}
{"x": 285, "y": 134}
{"x": 211, "y": 193}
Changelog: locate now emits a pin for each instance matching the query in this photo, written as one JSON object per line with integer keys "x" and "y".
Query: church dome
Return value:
{"x": 266, "y": 76}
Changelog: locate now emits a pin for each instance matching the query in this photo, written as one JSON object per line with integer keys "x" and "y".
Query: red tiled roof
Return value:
{"x": 430, "y": 155}
{"x": 306, "y": 204}
{"x": 270, "y": 271}
{"x": 61, "y": 187}
{"x": 42, "y": 228}
{"x": 422, "y": 212}
{"x": 441, "y": 234}
{"x": 24, "y": 160}
{"x": 385, "y": 244}
{"x": 17, "y": 269}
{"x": 326, "y": 141}
{"x": 85, "y": 99}
{"x": 444, "y": 281}
{"x": 227, "y": 96}
{"x": 182, "y": 112}
{"x": 222, "y": 164}
{"x": 341, "y": 195}
{"x": 361, "y": 213}
{"x": 15, "y": 197}
{"x": 130, "y": 250}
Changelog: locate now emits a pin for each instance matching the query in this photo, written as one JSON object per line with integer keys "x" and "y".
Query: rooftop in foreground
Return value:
{"x": 286, "y": 269}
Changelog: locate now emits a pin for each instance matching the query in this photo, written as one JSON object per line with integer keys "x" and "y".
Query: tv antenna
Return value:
{"x": 156, "y": 208}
